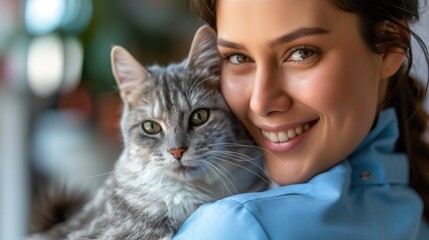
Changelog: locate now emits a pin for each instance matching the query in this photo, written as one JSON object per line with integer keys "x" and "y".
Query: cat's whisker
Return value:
{"x": 221, "y": 174}
{"x": 226, "y": 172}
{"x": 238, "y": 153}
{"x": 204, "y": 168}
{"x": 246, "y": 146}
{"x": 211, "y": 170}
{"x": 241, "y": 157}
{"x": 100, "y": 175}
{"x": 214, "y": 173}
{"x": 234, "y": 162}
{"x": 226, "y": 157}
{"x": 247, "y": 169}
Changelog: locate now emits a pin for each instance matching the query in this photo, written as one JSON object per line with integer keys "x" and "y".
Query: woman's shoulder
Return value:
{"x": 224, "y": 219}
{"x": 328, "y": 203}
{"x": 257, "y": 215}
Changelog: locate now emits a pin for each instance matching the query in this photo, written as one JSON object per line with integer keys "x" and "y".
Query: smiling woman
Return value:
{"x": 315, "y": 81}
{"x": 324, "y": 90}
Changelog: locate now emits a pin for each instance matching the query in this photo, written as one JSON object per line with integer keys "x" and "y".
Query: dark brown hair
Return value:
{"x": 404, "y": 93}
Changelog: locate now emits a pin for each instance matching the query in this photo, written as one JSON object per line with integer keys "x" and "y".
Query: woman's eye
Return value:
{"x": 151, "y": 127}
{"x": 303, "y": 54}
{"x": 238, "y": 59}
{"x": 199, "y": 117}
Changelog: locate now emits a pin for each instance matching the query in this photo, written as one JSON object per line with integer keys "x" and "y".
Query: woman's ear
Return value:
{"x": 392, "y": 61}
{"x": 393, "y": 57}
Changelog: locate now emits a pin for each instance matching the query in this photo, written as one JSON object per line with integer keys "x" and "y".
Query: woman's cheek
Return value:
{"x": 237, "y": 91}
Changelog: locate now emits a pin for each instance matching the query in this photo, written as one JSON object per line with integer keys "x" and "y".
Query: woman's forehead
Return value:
{"x": 238, "y": 19}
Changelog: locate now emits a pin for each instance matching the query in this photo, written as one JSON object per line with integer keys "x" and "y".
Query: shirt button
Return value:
{"x": 365, "y": 175}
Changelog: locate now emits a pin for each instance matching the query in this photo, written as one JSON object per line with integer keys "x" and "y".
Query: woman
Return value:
{"x": 324, "y": 89}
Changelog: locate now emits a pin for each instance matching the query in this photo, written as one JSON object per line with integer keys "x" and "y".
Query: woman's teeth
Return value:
{"x": 284, "y": 136}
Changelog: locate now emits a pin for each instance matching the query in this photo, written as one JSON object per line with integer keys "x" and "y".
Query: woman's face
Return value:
{"x": 298, "y": 74}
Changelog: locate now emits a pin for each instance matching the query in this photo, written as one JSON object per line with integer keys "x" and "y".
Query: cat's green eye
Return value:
{"x": 199, "y": 117}
{"x": 151, "y": 127}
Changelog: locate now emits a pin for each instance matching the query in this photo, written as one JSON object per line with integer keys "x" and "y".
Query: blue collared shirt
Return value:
{"x": 366, "y": 196}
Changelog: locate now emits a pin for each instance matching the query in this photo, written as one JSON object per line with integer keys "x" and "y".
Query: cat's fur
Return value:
{"x": 152, "y": 192}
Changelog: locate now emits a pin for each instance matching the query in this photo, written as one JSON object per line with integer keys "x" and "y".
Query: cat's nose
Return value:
{"x": 177, "y": 153}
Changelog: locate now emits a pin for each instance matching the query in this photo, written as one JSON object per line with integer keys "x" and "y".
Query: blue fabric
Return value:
{"x": 364, "y": 197}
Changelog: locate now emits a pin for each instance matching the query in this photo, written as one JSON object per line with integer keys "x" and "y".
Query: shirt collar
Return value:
{"x": 375, "y": 161}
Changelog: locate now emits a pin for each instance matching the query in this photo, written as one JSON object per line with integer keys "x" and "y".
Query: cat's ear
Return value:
{"x": 128, "y": 72}
{"x": 204, "y": 53}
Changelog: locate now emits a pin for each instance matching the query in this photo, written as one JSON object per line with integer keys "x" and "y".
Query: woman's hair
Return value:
{"x": 384, "y": 25}
{"x": 385, "y": 28}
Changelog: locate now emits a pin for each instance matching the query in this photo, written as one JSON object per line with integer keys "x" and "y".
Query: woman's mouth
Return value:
{"x": 287, "y": 135}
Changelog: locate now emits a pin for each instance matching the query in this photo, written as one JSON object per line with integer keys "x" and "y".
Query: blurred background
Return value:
{"x": 59, "y": 107}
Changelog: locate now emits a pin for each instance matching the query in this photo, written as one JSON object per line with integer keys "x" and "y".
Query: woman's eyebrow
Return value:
{"x": 299, "y": 33}
{"x": 224, "y": 43}
{"x": 289, "y": 37}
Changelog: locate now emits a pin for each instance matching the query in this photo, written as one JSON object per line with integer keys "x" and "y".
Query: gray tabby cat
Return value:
{"x": 183, "y": 148}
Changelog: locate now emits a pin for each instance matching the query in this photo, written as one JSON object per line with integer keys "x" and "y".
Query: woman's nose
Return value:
{"x": 269, "y": 94}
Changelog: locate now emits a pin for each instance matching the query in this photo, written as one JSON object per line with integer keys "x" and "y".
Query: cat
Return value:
{"x": 182, "y": 148}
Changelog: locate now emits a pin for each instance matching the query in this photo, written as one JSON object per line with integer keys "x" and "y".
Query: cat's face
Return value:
{"x": 178, "y": 122}
{"x": 175, "y": 119}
